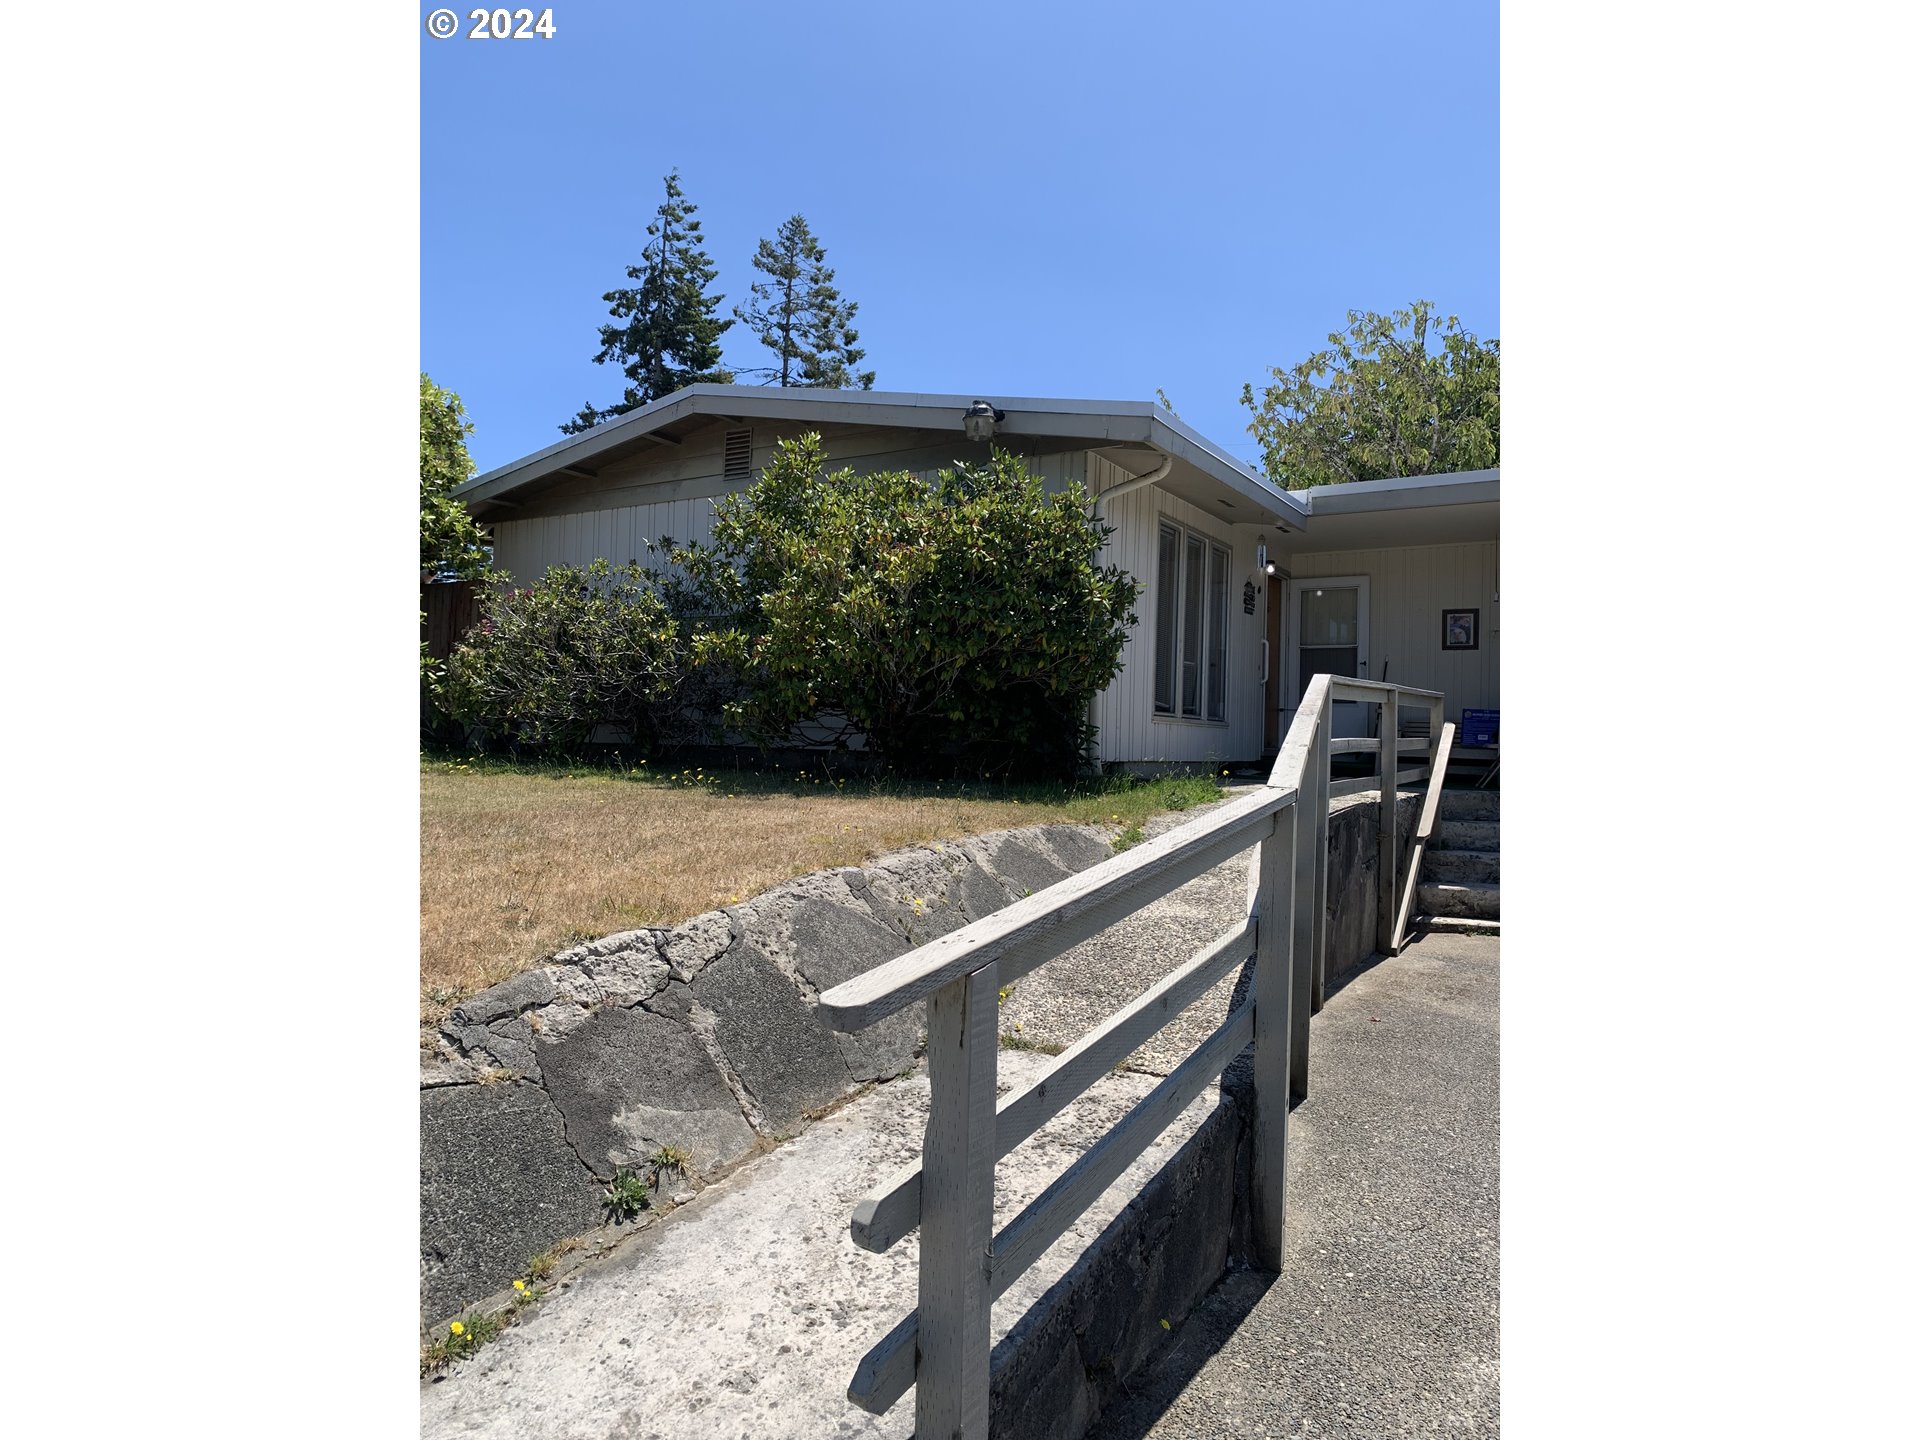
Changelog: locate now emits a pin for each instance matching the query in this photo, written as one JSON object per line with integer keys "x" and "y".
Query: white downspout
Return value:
{"x": 1139, "y": 482}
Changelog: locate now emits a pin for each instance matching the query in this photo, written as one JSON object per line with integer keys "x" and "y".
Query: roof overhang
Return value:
{"x": 1410, "y": 510}
{"x": 1138, "y": 424}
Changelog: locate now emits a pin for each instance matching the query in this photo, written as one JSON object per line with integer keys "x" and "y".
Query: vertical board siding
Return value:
{"x": 1130, "y": 733}
{"x": 525, "y": 548}
{"x": 1408, "y": 588}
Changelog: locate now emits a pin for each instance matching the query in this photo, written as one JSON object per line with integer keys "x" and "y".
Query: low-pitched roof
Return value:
{"x": 1099, "y": 422}
{"x": 1366, "y": 511}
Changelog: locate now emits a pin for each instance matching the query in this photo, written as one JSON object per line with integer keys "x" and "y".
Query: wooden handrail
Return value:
{"x": 1360, "y": 784}
{"x": 887, "y": 1370}
{"x": 1037, "y": 927}
{"x": 1422, "y": 832}
{"x": 892, "y": 1211}
{"x": 942, "y": 1347}
{"x": 1375, "y": 691}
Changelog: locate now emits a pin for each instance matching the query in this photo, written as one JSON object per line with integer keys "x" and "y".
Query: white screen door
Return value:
{"x": 1330, "y": 638}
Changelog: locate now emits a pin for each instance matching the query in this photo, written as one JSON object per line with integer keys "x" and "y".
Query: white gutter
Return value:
{"x": 1139, "y": 482}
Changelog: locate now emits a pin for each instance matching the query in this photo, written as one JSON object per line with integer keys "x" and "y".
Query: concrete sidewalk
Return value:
{"x": 1386, "y": 1321}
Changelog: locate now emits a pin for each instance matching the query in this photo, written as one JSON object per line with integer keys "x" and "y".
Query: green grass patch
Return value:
{"x": 1122, "y": 799}
{"x": 1011, "y": 1041}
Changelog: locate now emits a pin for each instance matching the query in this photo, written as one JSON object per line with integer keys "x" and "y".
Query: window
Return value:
{"x": 1190, "y": 626}
{"x": 1329, "y": 632}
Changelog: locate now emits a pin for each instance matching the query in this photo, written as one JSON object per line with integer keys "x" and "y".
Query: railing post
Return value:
{"x": 1272, "y": 1028}
{"x": 1389, "y": 817}
{"x": 956, "y": 1210}
{"x": 1320, "y": 767}
{"x": 1300, "y": 965}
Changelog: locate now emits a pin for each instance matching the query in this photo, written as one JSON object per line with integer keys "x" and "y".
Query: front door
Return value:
{"x": 1330, "y": 638}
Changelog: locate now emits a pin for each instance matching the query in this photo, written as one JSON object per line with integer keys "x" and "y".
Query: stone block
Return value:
{"x": 982, "y": 892}
{"x": 498, "y": 1184}
{"x": 834, "y": 943}
{"x": 625, "y": 975}
{"x": 629, "y": 1081}
{"x": 1076, "y": 847}
{"x": 505, "y": 1000}
{"x": 1022, "y": 863}
{"x": 772, "y": 1038}
{"x": 916, "y": 892}
{"x": 696, "y": 944}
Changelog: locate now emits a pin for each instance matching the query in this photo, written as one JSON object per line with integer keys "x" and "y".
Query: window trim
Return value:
{"x": 1212, "y": 550}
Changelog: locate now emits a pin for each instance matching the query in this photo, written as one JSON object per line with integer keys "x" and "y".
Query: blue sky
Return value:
{"x": 1050, "y": 199}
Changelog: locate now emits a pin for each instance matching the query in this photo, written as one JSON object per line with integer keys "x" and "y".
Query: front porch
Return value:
{"x": 1395, "y": 581}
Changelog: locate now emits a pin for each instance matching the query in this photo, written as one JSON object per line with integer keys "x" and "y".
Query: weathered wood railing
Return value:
{"x": 943, "y": 1348}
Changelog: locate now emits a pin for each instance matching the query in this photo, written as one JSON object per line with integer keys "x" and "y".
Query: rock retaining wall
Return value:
{"x": 704, "y": 1038}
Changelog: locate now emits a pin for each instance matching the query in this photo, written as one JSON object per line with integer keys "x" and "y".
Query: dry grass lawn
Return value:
{"x": 518, "y": 861}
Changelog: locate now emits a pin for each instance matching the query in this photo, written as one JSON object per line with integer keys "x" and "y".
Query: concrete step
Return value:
{"x": 1467, "y": 835}
{"x": 1475, "y": 867}
{"x": 1470, "y": 805}
{"x": 1458, "y": 925}
{"x": 1477, "y": 902}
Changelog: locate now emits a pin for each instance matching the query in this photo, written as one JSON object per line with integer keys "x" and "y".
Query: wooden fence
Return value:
{"x": 943, "y": 1348}
{"x": 447, "y": 612}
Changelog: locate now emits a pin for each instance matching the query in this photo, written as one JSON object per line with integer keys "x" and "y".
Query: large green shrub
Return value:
{"x": 959, "y": 625}
{"x": 546, "y": 665}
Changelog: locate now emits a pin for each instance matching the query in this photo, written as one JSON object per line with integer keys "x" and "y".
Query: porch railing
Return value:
{"x": 943, "y": 1348}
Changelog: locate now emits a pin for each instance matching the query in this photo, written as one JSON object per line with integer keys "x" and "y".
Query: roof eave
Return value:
{"x": 1359, "y": 497}
{"x": 1096, "y": 421}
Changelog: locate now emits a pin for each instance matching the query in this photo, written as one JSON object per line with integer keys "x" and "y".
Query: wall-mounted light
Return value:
{"x": 1260, "y": 560}
{"x": 980, "y": 419}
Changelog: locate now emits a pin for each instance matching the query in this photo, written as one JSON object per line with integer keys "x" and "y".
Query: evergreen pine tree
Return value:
{"x": 800, "y": 316}
{"x": 776, "y": 308}
{"x": 667, "y": 333}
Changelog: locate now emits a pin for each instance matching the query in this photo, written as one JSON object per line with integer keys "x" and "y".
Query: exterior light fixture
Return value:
{"x": 980, "y": 420}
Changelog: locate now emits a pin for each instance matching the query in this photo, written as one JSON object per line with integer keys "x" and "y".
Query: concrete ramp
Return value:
{"x": 744, "y": 1313}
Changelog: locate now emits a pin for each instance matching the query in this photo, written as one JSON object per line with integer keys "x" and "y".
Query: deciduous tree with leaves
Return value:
{"x": 799, "y": 314}
{"x": 666, "y": 330}
{"x": 1399, "y": 394}
{"x": 451, "y": 541}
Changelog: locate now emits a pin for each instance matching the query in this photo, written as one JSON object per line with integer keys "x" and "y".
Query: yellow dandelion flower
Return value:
{"x": 457, "y": 1328}
{"x": 520, "y": 1285}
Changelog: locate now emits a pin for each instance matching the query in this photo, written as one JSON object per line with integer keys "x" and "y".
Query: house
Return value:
{"x": 1249, "y": 590}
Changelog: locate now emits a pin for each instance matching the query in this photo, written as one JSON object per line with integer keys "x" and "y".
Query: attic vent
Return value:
{"x": 739, "y": 455}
